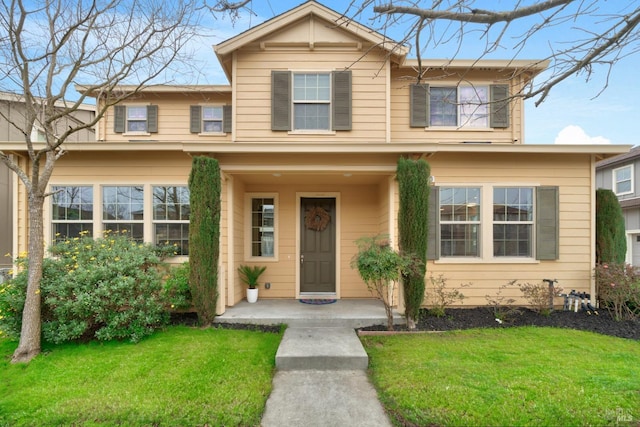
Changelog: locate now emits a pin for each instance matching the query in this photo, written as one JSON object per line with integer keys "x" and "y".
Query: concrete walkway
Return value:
{"x": 321, "y": 377}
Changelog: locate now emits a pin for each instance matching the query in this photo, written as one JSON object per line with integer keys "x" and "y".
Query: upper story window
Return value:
{"x": 140, "y": 119}
{"x": 623, "y": 180}
{"x": 311, "y": 101}
{"x": 459, "y": 106}
{"x": 210, "y": 119}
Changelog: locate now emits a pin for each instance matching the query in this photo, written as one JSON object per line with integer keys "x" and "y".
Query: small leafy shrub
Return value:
{"x": 107, "y": 288}
{"x": 176, "y": 291}
{"x": 380, "y": 267}
{"x": 502, "y": 306}
{"x": 618, "y": 287}
{"x": 537, "y": 295}
{"x": 443, "y": 297}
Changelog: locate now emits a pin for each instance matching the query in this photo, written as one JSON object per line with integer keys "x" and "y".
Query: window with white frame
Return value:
{"x": 137, "y": 119}
{"x": 463, "y": 106}
{"x": 171, "y": 212}
{"x": 512, "y": 221}
{"x": 623, "y": 180}
{"x": 460, "y": 215}
{"x": 262, "y": 226}
{"x": 311, "y": 101}
{"x": 71, "y": 211}
{"x": 123, "y": 210}
{"x": 212, "y": 118}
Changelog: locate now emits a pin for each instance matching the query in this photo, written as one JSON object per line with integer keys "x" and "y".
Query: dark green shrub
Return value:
{"x": 107, "y": 288}
{"x": 413, "y": 185}
{"x": 176, "y": 290}
{"x": 611, "y": 241}
{"x": 204, "y": 236}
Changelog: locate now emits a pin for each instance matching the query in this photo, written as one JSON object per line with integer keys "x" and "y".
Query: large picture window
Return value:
{"x": 72, "y": 211}
{"x": 171, "y": 217}
{"x": 123, "y": 210}
{"x": 460, "y": 221}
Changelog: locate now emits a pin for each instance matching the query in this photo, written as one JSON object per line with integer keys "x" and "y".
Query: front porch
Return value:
{"x": 350, "y": 313}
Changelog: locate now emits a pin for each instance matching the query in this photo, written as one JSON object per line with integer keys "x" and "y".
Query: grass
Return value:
{"x": 516, "y": 377}
{"x": 182, "y": 376}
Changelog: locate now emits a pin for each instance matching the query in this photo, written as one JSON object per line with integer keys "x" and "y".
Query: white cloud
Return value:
{"x": 573, "y": 134}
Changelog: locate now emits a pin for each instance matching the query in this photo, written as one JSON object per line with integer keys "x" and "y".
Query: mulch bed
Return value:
{"x": 483, "y": 317}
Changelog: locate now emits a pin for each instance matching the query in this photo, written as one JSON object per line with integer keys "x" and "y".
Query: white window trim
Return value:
{"x": 127, "y": 132}
{"x": 248, "y": 257}
{"x": 152, "y": 234}
{"x": 486, "y": 228}
{"x": 615, "y": 182}
{"x": 458, "y": 126}
{"x": 203, "y": 133}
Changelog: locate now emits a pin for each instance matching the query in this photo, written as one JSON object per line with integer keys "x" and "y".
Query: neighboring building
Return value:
{"x": 308, "y": 134}
{"x": 622, "y": 175}
{"x": 12, "y": 142}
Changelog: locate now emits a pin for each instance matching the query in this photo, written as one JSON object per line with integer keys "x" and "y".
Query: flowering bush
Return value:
{"x": 176, "y": 291}
{"x": 105, "y": 288}
{"x": 618, "y": 287}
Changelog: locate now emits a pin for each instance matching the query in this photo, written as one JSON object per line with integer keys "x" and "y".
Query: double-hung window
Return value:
{"x": 623, "y": 180}
{"x": 135, "y": 119}
{"x": 171, "y": 211}
{"x": 123, "y": 210}
{"x": 463, "y": 106}
{"x": 512, "y": 221}
{"x": 210, "y": 119}
{"x": 460, "y": 210}
{"x": 72, "y": 211}
{"x": 311, "y": 101}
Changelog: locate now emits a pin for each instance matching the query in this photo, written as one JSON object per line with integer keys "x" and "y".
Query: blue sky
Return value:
{"x": 575, "y": 112}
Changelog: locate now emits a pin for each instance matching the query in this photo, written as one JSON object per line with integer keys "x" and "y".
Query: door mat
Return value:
{"x": 317, "y": 301}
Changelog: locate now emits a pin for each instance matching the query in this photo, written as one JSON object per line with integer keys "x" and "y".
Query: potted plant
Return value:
{"x": 250, "y": 274}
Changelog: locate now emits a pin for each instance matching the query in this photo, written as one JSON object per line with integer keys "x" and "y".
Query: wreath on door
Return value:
{"x": 316, "y": 218}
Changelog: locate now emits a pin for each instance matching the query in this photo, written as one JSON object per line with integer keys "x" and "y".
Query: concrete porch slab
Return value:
{"x": 350, "y": 313}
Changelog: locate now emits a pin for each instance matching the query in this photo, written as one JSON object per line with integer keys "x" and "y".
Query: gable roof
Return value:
{"x": 633, "y": 154}
{"x": 311, "y": 7}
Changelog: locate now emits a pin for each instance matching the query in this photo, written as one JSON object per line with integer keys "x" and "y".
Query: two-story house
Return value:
{"x": 308, "y": 133}
{"x": 12, "y": 114}
{"x": 621, "y": 174}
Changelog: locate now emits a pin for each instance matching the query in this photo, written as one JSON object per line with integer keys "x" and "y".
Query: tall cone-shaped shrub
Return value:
{"x": 204, "y": 236}
{"x": 611, "y": 241}
{"x": 413, "y": 184}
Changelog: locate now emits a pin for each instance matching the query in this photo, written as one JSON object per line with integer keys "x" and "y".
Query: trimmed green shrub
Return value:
{"x": 204, "y": 236}
{"x": 176, "y": 291}
{"x": 413, "y": 184}
{"x": 611, "y": 241}
{"x": 106, "y": 288}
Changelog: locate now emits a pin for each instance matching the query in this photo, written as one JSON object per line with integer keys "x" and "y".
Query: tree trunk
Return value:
{"x": 30, "y": 334}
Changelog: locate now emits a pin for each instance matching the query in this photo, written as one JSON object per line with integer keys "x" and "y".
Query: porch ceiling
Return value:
{"x": 306, "y": 178}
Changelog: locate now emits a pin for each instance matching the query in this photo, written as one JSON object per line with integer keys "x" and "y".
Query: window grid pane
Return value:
{"x": 136, "y": 119}
{"x": 460, "y": 221}
{"x": 72, "y": 211}
{"x": 513, "y": 221}
{"x": 443, "y": 105}
{"x": 262, "y": 227}
{"x": 212, "y": 119}
{"x": 311, "y": 101}
{"x": 623, "y": 180}
{"x": 171, "y": 211}
{"x": 123, "y": 210}
{"x": 474, "y": 107}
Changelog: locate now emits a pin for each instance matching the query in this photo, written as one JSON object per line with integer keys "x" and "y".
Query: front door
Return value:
{"x": 317, "y": 245}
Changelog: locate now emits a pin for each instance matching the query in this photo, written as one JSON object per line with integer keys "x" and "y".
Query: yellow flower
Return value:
{"x": 92, "y": 258}
{"x": 37, "y": 291}
{"x": 57, "y": 234}
{"x": 103, "y": 246}
{"x": 7, "y": 255}
{"x": 117, "y": 258}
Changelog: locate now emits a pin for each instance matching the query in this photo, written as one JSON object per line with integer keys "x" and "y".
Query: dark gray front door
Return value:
{"x": 317, "y": 245}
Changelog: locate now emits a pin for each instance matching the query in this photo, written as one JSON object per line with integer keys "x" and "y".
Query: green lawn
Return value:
{"x": 515, "y": 377}
{"x": 178, "y": 377}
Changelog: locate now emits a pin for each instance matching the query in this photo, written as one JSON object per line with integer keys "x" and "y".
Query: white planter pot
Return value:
{"x": 252, "y": 295}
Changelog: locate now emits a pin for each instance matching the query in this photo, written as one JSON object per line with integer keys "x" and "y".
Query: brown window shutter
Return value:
{"x": 280, "y": 100}
{"x": 341, "y": 100}
{"x": 152, "y": 118}
{"x": 195, "y": 120}
{"x": 500, "y": 111}
{"x": 419, "y": 115}
{"x": 433, "y": 226}
{"x": 547, "y": 223}
{"x": 226, "y": 118}
{"x": 119, "y": 113}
